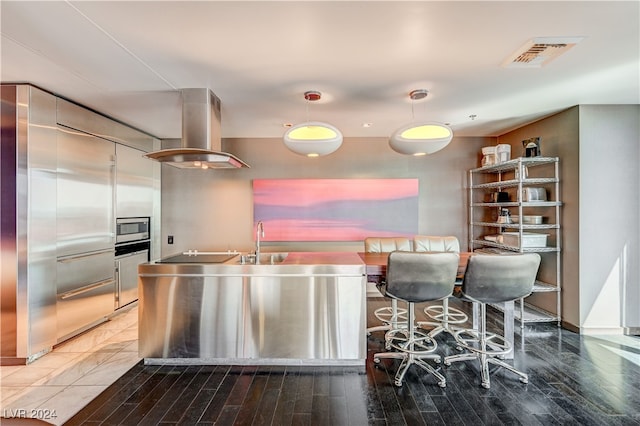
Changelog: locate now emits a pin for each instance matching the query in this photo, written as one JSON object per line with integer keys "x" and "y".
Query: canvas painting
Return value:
{"x": 335, "y": 209}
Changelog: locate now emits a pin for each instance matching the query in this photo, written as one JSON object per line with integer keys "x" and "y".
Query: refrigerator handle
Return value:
{"x": 118, "y": 285}
{"x": 114, "y": 197}
{"x": 85, "y": 289}
{"x": 71, "y": 258}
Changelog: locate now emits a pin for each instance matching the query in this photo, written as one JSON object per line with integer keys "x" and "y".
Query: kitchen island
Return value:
{"x": 306, "y": 308}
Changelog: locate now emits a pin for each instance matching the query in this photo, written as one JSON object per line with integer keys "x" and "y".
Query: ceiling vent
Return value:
{"x": 540, "y": 51}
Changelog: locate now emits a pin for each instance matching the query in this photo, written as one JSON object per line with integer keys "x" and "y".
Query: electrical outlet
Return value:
{"x": 170, "y": 239}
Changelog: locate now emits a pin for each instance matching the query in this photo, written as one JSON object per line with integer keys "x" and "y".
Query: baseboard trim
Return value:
{"x": 600, "y": 331}
{"x": 627, "y": 331}
{"x": 632, "y": 331}
{"x": 570, "y": 327}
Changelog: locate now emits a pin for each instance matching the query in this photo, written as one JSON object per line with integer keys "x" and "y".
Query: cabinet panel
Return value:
{"x": 85, "y": 192}
{"x": 85, "y": 291}
{"x": 127, "y": 277}
{"x": 134, "y": 183}
{"x": 77, "y": 117}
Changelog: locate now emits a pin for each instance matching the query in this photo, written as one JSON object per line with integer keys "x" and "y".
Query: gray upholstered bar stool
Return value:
{"x": 415, "y": 278}
{"x": 493, "y": 279}
{"x": 391, "y": 317}
{"x": 444, "y": 317}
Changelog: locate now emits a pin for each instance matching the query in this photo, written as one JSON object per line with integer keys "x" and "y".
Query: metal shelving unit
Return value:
{"x": 513, "y": 176}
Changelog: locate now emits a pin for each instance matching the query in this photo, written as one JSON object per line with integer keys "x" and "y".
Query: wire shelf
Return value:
{"x": 512, "y": 164}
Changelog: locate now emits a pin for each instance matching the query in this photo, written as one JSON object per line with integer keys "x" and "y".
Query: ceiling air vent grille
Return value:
{"x": 540, "y": 51}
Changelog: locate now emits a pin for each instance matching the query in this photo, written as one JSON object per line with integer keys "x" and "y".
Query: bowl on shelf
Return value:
{"x": 527, "y": 219}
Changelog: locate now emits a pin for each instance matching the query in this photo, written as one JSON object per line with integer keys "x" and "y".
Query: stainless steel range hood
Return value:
{"x": 201, "y": 135}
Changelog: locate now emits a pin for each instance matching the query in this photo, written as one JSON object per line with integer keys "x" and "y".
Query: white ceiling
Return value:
{"x": 129, "y": 60}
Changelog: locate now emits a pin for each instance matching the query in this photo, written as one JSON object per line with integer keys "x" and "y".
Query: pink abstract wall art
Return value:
{"x": 335, "y": 209}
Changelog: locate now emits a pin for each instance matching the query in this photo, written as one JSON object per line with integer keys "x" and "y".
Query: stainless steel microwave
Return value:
{"x": 132, "y": 229}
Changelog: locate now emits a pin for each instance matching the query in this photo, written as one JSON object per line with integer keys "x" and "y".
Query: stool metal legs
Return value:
{"x": 485, "y": 347}
{"x": 444, "y": 316}
{"x": 413, "y": 347}
{"x": 391, "y": 317}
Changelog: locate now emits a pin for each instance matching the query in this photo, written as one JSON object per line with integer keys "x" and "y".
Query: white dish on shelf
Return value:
{"x": 529, "y": 239}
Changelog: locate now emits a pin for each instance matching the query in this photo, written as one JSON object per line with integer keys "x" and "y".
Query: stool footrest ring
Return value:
{"x": 492, "y": 344}
{"x": 418, "y": 344}
{"x": 388, "y": 314}
{"x": 450, "y": 315}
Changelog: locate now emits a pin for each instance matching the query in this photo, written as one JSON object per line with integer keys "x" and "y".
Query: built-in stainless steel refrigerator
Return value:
{"x": 85, "y": 231}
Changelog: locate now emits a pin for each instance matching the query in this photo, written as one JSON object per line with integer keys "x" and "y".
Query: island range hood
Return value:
{"x": 201, "y": 135}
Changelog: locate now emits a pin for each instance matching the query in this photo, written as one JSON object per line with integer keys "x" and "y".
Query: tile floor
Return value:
{"x": 63, "y": 381}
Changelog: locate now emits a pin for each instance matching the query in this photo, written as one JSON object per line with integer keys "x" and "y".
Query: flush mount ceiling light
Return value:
{"x": 420, "y": 137}
{"x": 313, "y": 138}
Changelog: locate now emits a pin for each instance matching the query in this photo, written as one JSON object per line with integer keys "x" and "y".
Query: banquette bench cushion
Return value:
{"x": 436, "y": 243}
{"x": 386, "y": 244}
{"x": 418, "y": 243}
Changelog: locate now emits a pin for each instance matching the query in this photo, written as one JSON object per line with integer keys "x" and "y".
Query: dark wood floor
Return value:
{"x": 573, "y": 380}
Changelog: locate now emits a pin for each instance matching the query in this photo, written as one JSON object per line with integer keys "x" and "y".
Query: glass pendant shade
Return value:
{"x": 421, "y": 138}
{"x": 313, "y": 138}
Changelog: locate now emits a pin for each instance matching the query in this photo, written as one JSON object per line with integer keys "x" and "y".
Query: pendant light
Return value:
{"x": 313, "y": 138}
{"x": 420, "y": 137}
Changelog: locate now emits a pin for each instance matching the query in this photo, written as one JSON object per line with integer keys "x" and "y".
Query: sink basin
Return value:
{"x": 265, "y": 258}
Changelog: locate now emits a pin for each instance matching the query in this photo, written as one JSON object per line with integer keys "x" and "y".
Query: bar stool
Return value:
{"x": 493, "y": 279}
{"x": 391, "y": 317}
{"x": 443, "y": 315}
{"x": 415, "y": 278}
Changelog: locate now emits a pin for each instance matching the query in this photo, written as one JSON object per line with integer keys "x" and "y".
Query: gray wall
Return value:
{"x": 213, "y": 210}
{"x": 609, "y": 217}
{"x": 559, "y": 138}
{"x": 599, "y": 150}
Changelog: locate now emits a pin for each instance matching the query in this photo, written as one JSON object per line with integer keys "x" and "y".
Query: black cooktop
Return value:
{"x": 198, "y": 258}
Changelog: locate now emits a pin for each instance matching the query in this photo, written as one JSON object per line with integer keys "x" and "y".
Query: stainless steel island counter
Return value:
{"x": 293, "y": 308}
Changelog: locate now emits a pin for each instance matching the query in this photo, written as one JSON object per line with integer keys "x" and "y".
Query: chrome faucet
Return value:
{"x": 259, "y": 235}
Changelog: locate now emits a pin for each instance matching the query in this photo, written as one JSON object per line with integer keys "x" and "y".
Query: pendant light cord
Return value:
{"x": 413, "y": 114}
{"x": 307, "y": 108}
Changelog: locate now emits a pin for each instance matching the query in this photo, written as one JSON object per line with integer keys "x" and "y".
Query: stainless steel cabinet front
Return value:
{"x": 127, "y": 277}
{"x": 265, "y": 319}
{"x": 86, "y": 288}
{"x": 85, "y": 193}
{"x": 134, "y": 183}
